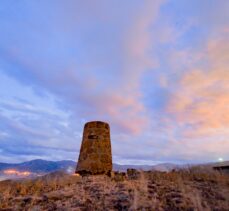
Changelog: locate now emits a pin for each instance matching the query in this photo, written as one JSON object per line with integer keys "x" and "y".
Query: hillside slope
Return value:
{"x": 181, "y": 190}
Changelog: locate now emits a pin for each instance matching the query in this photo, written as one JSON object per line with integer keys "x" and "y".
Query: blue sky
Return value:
{"x": 155, "y": 70}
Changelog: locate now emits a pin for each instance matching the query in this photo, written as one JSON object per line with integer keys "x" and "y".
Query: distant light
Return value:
{"x": 220, "y": 159}
{"x": 17, "y": 173}
{"x": 70, "y": 170}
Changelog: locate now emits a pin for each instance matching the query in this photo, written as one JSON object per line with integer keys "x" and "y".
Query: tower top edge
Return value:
{"x": 96, "y": 122}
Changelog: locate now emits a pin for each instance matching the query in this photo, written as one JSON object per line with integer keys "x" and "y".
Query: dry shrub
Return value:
{"x": 185, "y": 189}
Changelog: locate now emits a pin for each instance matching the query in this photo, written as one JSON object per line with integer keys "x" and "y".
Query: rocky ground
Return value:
{"x": 179, "y": 190}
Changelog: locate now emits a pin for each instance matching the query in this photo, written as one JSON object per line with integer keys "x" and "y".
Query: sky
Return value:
{"x": 155, "y": 70}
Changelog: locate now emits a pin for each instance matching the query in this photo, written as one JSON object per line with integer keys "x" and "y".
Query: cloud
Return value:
{"x": 89, "y": 62}
{"x": 187, "y": 96}
{"x": 115, "y": 99}
{"x": 155, "y": 70}
{"x": 203, "y": 95}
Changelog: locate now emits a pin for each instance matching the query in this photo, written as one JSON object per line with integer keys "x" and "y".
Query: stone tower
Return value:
{"x": 95, "y": 153}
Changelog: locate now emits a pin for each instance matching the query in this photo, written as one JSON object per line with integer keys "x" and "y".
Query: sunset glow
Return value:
{"x": 16, "y": 173}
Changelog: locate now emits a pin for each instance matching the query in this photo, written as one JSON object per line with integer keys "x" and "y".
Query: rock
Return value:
{"x": 118, "y": 176}
{"x": 133, "y": 174}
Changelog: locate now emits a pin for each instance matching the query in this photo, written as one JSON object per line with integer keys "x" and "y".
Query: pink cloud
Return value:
{"x": 202, "y": 97}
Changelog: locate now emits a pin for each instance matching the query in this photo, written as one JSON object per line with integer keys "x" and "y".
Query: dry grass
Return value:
{"x": 191, "y": 189}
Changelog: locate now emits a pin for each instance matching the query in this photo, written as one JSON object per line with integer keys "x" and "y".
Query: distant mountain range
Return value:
{"x": 158, "y": 167}
{"x": 34, "y": 168}
{"x": 41, "y": 167}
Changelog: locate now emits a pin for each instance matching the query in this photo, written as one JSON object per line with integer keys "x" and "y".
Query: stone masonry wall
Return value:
{"x": 95, "y": 153}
